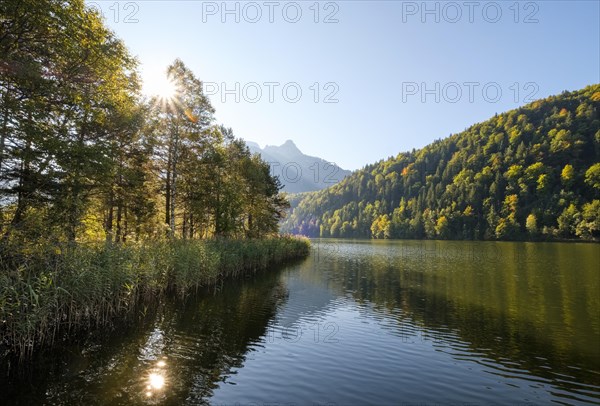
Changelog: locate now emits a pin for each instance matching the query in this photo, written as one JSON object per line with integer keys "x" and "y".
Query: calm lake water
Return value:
{"x": 358, "y": 322}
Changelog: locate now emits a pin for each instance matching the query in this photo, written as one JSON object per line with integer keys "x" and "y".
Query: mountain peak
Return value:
{"x": 287, "y": 148}
{"x": 289, "y": 145}
{"x": 300, "y": 173}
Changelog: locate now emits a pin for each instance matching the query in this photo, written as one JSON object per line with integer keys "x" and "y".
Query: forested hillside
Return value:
{"x": 530, "y": 173}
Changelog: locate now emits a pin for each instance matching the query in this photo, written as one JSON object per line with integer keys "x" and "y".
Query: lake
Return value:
{"x": 357, "y": 322}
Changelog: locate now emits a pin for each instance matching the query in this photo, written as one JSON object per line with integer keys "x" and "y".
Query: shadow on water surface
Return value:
{"x": 178, "y": 355}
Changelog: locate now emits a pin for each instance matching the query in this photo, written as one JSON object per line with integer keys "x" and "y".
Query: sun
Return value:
{"x": 160, "y": 86}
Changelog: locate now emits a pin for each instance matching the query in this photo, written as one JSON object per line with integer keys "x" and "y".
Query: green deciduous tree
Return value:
{"x": 83, "y": 156}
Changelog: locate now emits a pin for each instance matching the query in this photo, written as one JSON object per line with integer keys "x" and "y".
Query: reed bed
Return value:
{"x": 51, "y": 293}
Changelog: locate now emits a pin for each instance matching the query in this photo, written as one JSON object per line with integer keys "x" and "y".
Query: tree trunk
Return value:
{"x": 108, "y": 226}
{"x": 125, "y": 225}
{"x": 191, "y": 226}
{"x": 119, "y": 215}
{"x": 168, "y": 190}
{"x": 174, "y": 181}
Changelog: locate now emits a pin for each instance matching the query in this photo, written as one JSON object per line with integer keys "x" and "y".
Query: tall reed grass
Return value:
{"x": 50, "y": 293}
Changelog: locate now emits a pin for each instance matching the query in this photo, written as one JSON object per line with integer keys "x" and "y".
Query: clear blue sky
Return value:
{"x": 372, "y": 56}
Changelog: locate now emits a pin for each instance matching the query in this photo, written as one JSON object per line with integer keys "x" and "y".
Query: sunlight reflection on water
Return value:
{"x": 156, "y": 378}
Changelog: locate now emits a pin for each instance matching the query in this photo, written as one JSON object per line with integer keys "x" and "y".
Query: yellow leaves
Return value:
{"x": 522, "y": 119}
{"x": 592, "y": 176}
{"x": 380, "y": 226}
{"x": 568, "y": 174}
{"x": 533, "y": 171}
{"x": 596, "y": 96}
{"x": 514, "y": 172}
{"x": 543, "y": 183}
{"x": 531, "y": 223}
{"x": 486, "y": 171}
{"x": 496, "y": 162}
{"x": 560, "y": 140}
{"x": 500, "y": 121}
{"x": 514, "y": 135}
{"x": 441, "y": 227}
{"x": 463, "y": 177}
{"x": 510, "y": 205}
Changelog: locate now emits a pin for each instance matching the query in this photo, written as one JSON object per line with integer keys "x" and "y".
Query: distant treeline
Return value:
{"x": 530, "y": 173}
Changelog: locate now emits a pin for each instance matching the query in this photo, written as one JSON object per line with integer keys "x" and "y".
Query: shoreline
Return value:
{"x": 57, "y": 293}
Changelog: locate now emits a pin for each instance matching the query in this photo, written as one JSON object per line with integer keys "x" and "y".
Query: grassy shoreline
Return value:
{"x": 50, "y": 293}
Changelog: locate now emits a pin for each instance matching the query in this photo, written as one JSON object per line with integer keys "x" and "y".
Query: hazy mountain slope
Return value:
{"x": 299, "y": 172}
{"x": 533, "y": 172}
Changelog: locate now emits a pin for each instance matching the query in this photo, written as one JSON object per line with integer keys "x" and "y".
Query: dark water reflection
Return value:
{"x": 358, "y": 322}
